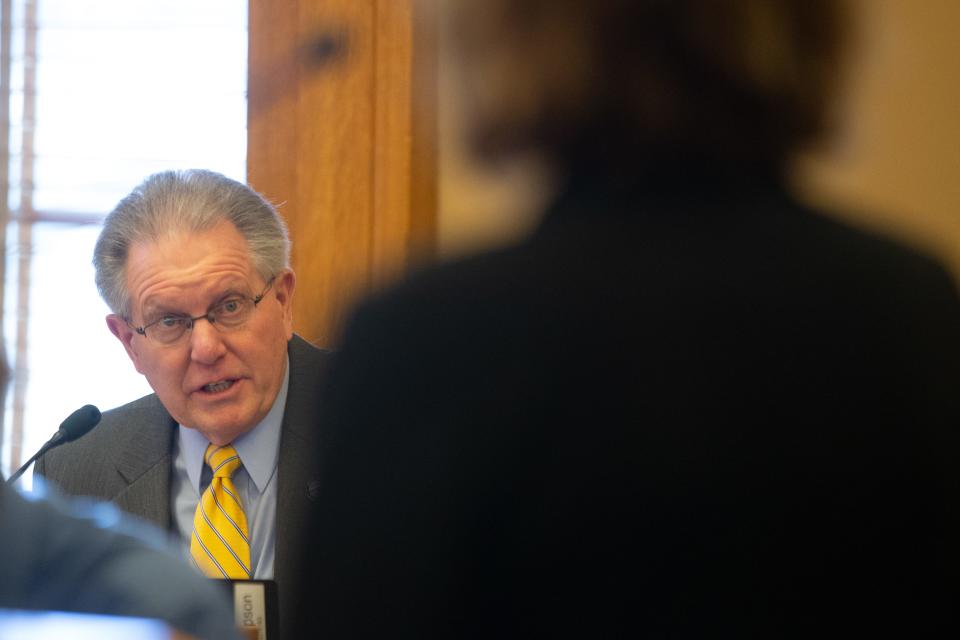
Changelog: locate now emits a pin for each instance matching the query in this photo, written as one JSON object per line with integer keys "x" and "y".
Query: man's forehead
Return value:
{"x": 187, "y": 267}
{"x": 210, "y": 289}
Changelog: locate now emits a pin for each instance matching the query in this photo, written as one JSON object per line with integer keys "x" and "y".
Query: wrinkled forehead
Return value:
{"x": 188, "y": 266}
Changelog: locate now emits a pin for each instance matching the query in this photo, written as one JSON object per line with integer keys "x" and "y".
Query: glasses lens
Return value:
{"x": 231, "y": 313}
{"x": 168, "y": 329}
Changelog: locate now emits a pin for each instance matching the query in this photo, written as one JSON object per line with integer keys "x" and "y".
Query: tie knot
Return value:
{"x": 223, "y": 460}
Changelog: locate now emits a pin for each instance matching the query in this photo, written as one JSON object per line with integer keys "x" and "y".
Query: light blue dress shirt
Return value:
{"x": 256, "y": 480}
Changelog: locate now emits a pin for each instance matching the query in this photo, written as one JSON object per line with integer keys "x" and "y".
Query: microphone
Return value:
{"x": 77, "y": 424}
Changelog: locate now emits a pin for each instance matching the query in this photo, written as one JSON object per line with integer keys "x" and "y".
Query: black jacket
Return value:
{"x": 684, "y": 407}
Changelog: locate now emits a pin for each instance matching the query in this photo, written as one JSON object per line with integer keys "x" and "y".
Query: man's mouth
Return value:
{"x": 217, "y": 387}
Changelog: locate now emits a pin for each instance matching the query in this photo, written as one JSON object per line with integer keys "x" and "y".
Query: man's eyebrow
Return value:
{"x": 155, "y": 309}
{"x": 230, "y": 292}
{"x": 241, "y": 287}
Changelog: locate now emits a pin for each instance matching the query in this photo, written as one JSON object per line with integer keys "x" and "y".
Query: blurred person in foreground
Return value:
{"x": 687, "y": 405}
{"x": 86, "y": 557}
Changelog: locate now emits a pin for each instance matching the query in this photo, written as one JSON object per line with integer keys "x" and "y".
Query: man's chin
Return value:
{"x": 221, "y": 430}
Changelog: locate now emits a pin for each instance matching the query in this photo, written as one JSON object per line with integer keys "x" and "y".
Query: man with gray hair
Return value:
{"x": 195, "y": 268}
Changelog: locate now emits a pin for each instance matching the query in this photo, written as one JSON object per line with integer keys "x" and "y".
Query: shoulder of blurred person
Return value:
{"x": 624, "y": 414}
{"x": 86, "y": 557}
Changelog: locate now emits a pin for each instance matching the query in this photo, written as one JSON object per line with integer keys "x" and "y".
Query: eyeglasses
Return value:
{"x": 226, "y": 315}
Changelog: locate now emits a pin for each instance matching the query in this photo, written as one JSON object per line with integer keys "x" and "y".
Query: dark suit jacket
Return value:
{"x": 685, "y": 407}
{"x": 127, "y": 459}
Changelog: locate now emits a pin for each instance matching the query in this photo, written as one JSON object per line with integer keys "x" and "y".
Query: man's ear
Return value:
{"x": 283, "y": 287}
{"x": 119, "y": 327}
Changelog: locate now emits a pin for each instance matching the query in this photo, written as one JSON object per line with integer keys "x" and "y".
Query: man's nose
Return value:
{"x": 206, "y": 342}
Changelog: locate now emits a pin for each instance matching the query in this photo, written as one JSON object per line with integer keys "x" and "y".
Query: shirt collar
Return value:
{"x": 259, "y": 448}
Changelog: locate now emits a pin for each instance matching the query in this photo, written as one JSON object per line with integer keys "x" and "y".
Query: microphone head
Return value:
{"x": 79, "y": 422}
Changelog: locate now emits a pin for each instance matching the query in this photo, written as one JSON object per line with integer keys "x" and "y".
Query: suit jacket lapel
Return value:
{"x": 297, "y": 483}
{"x": 145, "y": 464}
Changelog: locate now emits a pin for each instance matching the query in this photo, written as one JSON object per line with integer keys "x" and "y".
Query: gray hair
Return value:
{"x": 185, "y": 201}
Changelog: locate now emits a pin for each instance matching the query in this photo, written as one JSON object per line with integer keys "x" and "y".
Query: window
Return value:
{"x": 102, "y": 93}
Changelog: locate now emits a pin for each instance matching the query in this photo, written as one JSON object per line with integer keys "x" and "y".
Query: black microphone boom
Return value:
{"x": 77, "y": 424}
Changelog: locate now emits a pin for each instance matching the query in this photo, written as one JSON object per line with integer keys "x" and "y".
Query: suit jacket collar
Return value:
{"x": 146, "y": 463}
{"x": 297, "y": 474}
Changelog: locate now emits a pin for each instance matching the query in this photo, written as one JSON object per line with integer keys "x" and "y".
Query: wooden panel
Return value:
{"x": 405, "y": 192}
{"x": 334, "y": 166}
{"x": 424, "y": 137}
{"x": 392, "y": 121}
{"x": 332, "y": 137}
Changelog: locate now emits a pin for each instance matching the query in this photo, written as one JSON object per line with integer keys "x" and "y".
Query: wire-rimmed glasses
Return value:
{"x": 226, "y": 315}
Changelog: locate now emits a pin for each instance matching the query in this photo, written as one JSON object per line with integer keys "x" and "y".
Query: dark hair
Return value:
{"x": 747, "y": 81}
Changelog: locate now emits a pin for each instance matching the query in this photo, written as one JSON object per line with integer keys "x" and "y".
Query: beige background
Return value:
{"x": 896, "y": 162}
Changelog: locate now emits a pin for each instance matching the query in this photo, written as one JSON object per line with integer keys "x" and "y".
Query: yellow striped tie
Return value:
{"x": 220, "y": 544}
